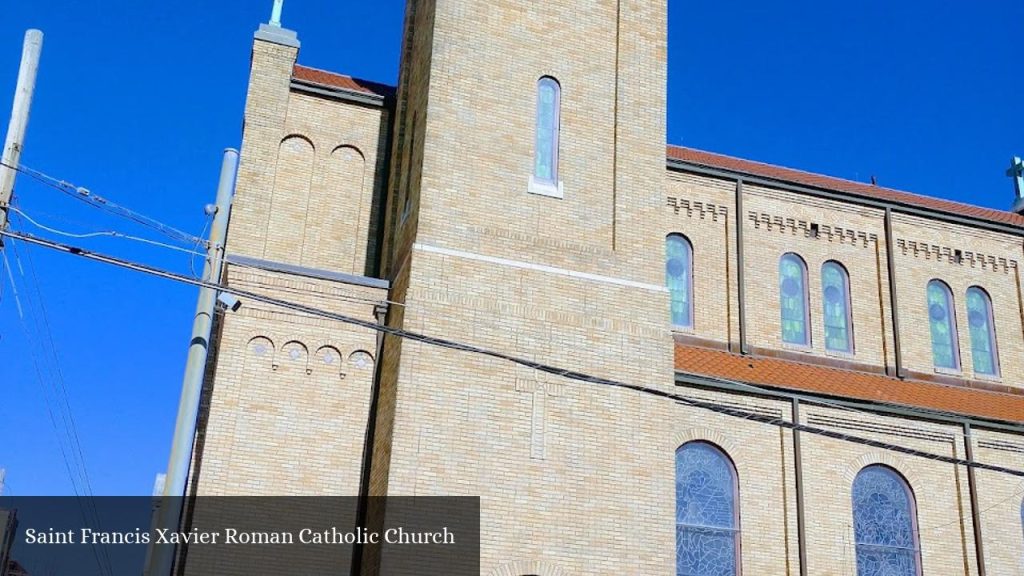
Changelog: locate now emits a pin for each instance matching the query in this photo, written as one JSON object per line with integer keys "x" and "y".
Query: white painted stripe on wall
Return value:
{"x": 538, "y": 267}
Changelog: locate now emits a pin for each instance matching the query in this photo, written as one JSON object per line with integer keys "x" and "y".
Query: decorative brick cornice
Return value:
{"x": 697, "y": 208}
{"x": 951, "y": 255}
{"x": 808, "y": 229}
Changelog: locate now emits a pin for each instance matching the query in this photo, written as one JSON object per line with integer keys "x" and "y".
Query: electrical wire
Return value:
{"x": 100, "y": 233}
{"x": 681, "y": 399}
{"x": 819, "y": 401}
{"x": 85, "y": 195}
{"x": 68, "y": 442}
{"x": 193, "y": 253}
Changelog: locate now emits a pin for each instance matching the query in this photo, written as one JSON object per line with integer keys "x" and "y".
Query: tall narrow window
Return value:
{"x": 942, "y": 319}
{"x": 707, "y": 513}
{"x": 679, "y": 278}
{"x": 545, "y": 164}
{"x": 885, "y": 524}
{"x": 793, "y": 300}
{"x": 983, "y": 334}
{"x": 835, "y": 289}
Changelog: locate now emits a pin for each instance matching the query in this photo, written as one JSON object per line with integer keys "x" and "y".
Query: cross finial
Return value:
{"x": 1016, "y": 172}
{"x": 275, "y": 16}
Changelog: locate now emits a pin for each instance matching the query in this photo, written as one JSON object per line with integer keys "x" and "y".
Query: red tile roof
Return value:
{"x": 749, "y": 167}
{"x": 827, "y": 381}
{"x": 330, "y": 79}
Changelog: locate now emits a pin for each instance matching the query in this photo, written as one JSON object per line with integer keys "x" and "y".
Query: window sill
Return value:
{"x": 677, "y": 329}
{"x": 805, "y": 348}
{"x": 949, "y": 371}
{"x": 545, "y": 188}
{"x": 841, "y": 354}
{"x": 994, "y": 378}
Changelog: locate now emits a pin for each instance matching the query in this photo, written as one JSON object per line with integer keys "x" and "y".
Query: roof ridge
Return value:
{"x": 853, "y": 188}
{"x": 856, "y": 183}
{"x": 800, "y": 170}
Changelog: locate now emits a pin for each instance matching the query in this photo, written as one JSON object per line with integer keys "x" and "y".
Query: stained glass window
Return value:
{"x": 941, "y": 317}
{"x": 835, "y": 288}
{"x": 884, "y": 524}
{"x": 679, "y": 278}
{"x": 983, "y": 335}
{"x": 545, "y": 165}
{"x": 707, "y": 519}
{"x": 793, "y": 300}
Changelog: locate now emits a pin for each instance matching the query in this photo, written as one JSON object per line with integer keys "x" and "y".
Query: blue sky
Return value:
{"x": 136, "y": 101}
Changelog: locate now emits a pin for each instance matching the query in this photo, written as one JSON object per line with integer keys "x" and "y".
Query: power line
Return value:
{"x": 541, "y": 367}
{"x": 68, "y": 442}
{"x": 193, "y": 253}
{"x": 100, "y": 233}
{"x": 85, "y": 195}
{"x": 818, "y": 401}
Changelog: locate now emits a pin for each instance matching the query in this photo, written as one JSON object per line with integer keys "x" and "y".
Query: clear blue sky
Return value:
{"x": 136, "y": 100}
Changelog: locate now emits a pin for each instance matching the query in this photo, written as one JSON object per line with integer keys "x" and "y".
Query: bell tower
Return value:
{"x": 528, "y": 156}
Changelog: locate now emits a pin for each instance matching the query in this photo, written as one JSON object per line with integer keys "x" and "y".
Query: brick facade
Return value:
{"x": 428, "y": 190}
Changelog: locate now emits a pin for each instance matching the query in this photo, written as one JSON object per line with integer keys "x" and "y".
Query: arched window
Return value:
{"x": 679, "y": 278}
{"x": 793, "y": 300}
{"x": 885, "y": 524}
{"x": 707, "y": 512}
{"x": 835, "y": 289}
{"x": 942, "y": 318}
{"x": 545, "y": 164}
{"x": 983, "y": 332}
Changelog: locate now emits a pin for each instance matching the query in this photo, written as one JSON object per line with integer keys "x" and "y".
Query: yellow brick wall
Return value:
{"x": 309, "y": 193}
{"x": 775, "y": 223}
{"x": 282, "y": 378}
{"x": 925, "y": 250}
{"x": 574, "y": 478}
{"x": 1001, "y": 502}
{"x": 312, "y": 166}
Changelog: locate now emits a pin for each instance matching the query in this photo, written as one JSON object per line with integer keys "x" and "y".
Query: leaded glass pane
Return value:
{"x": 546, "y": 146}
{"x": 835, "y": 287}
{"x": 884, "y": 524}
{"x": 943, "y": 328}
{"x": 979, "y": 322}
{"x": 793, "y": 299}
{"x": 706, "y": 526}
{"x": 679, "y": 278}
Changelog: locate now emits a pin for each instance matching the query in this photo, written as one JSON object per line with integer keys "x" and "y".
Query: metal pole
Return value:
{"x": 972, "y": 488}
{"x": 741, "y": 309}
{"x": 30, "y": 51}
{"x": 169, "y": 514}
{"x": 798, "y": 465}
{"x": 893, "y": 298}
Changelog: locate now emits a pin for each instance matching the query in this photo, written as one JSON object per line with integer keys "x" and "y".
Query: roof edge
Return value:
{"x": 914, "y": 204}
{"x": 880, "y": 407}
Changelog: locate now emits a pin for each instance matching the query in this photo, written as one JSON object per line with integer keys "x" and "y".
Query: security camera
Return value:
{"x": 229, "y": 301}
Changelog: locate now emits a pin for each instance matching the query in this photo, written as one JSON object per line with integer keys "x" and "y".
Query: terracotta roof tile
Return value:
{"x": 752, "y": 168}
{"x": 796, "y": 376}
{"x": 325, "y": 78}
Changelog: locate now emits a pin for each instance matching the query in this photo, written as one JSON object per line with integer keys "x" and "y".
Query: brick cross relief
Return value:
{"x": 538, "y": 417}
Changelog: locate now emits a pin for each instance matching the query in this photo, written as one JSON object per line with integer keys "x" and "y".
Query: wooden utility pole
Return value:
{"x": 19, "y": 119}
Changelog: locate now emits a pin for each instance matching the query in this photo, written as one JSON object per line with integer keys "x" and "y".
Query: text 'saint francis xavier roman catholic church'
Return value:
{"x": 517, "y": 194}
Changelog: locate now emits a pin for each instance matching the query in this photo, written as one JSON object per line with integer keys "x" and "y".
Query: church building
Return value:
{"x": 760, "y": 370}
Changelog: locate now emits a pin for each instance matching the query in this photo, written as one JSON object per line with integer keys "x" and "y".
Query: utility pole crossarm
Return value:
{"x": 31, "y": 50}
